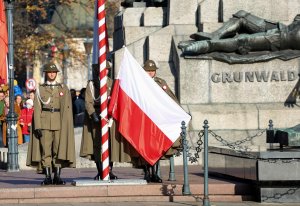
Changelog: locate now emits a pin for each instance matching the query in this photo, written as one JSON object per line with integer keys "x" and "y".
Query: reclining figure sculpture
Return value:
{"x": 245, "y": 33}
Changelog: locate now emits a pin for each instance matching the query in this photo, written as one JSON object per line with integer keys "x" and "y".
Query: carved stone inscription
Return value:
{"x": 255, "y": 76}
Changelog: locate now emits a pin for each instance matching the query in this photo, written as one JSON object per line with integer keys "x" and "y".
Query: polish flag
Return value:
{"x": 148, "y": 118}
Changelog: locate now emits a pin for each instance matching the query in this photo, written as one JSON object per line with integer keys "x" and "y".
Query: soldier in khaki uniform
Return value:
{"x": 91, "y": 136}
{"x": 150, "y": 67}
{"x": 52, "y": 143}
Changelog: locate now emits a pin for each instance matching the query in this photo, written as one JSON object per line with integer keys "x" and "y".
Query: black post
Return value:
{"x": 221, "y": 11}
{"x": 270, "y": 134}
{"x": 13, "y": 163}
{"x": 206, "y": 201}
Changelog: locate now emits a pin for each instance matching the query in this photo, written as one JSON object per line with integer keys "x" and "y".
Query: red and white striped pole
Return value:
{"x": 103, "y": 88}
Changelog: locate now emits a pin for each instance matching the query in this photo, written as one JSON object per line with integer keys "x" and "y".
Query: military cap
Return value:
{"x": 150, "y": 66}
{"x": 50, "y": 67}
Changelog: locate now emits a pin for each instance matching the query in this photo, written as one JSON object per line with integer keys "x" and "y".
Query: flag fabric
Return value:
{"x": 3, "y": 42}
{"x": 148, "y": 118}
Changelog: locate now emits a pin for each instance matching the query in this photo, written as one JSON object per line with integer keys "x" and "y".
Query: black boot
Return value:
{"x": 47, "y": 180}
{"x": 154, "y": 176}
{"x": 56, "y": 179}
{"x": 99, "y": 171}
{"x": 147, "y": 173}
{"x": 112, "y": 176}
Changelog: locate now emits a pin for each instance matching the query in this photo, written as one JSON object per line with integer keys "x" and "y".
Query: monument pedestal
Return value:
{"x": 274, "y": 172}
{"x": 236, "y": 96}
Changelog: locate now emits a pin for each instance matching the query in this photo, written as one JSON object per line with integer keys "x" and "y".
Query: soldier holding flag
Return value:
{"x": 98, "y": 143}
{"x": 91, "y": 137}
{"x": 150, "y": 67}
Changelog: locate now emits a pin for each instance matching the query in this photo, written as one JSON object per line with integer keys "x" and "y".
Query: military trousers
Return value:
{"x": 97, "y": 142}
{"x": 49, "y": 148}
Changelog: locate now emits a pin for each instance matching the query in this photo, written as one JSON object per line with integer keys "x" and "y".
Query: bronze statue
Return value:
{"x": 291, "y": 100}
{"x": 245, "y": 33}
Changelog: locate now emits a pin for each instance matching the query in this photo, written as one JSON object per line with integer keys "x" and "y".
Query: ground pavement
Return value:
{"x": 24, "y": 188}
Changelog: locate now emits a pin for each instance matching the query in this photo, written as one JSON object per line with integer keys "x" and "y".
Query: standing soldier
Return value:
{"x": 91, "y": 136}
{"x": 52, "y": 143}
{"x": 150, "y": 67}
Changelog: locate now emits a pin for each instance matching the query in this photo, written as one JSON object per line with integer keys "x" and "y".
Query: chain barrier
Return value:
{"x": 198, "y": 149}
{"x": 235, "y": 146}
{"x": 244, "y": 150}
{"x": 278, "y": 196}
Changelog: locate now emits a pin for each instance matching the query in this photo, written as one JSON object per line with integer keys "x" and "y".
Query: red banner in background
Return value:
{"x": 3, "y": 43}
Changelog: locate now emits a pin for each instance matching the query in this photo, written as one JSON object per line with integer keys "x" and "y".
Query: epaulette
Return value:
{"x": 160, "y": 80}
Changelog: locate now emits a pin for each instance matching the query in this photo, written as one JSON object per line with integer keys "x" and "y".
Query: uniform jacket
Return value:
{"x": 59, "y": 98}
{"x": 120, "y": 149}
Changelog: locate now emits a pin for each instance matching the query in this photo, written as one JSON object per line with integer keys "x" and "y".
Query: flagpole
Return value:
{"x": 103, "y": 88}
{"x": 13, "y": 163}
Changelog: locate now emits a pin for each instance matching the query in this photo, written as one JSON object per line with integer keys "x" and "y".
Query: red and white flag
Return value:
{"x": 3, "y": 42}
{"x": 148, "y": 118}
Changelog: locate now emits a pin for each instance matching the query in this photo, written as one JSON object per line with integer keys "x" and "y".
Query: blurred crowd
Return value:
{"x": 23, "y": 107}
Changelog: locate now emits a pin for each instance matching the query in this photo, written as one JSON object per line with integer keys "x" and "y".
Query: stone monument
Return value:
{"x": 239, "y": 99}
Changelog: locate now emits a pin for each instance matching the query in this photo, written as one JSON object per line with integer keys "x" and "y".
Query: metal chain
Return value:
{"x": 279, "y": 196}
{"x": 235, "y": 145}
{"x": 198, "y": 149}
{"x": 179, "y": 149}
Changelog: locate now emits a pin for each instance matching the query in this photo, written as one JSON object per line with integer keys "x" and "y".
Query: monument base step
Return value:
{"x": 159, "y": 199}
{"x": 24, "y": 187}
{"x": 273, "y": 172}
